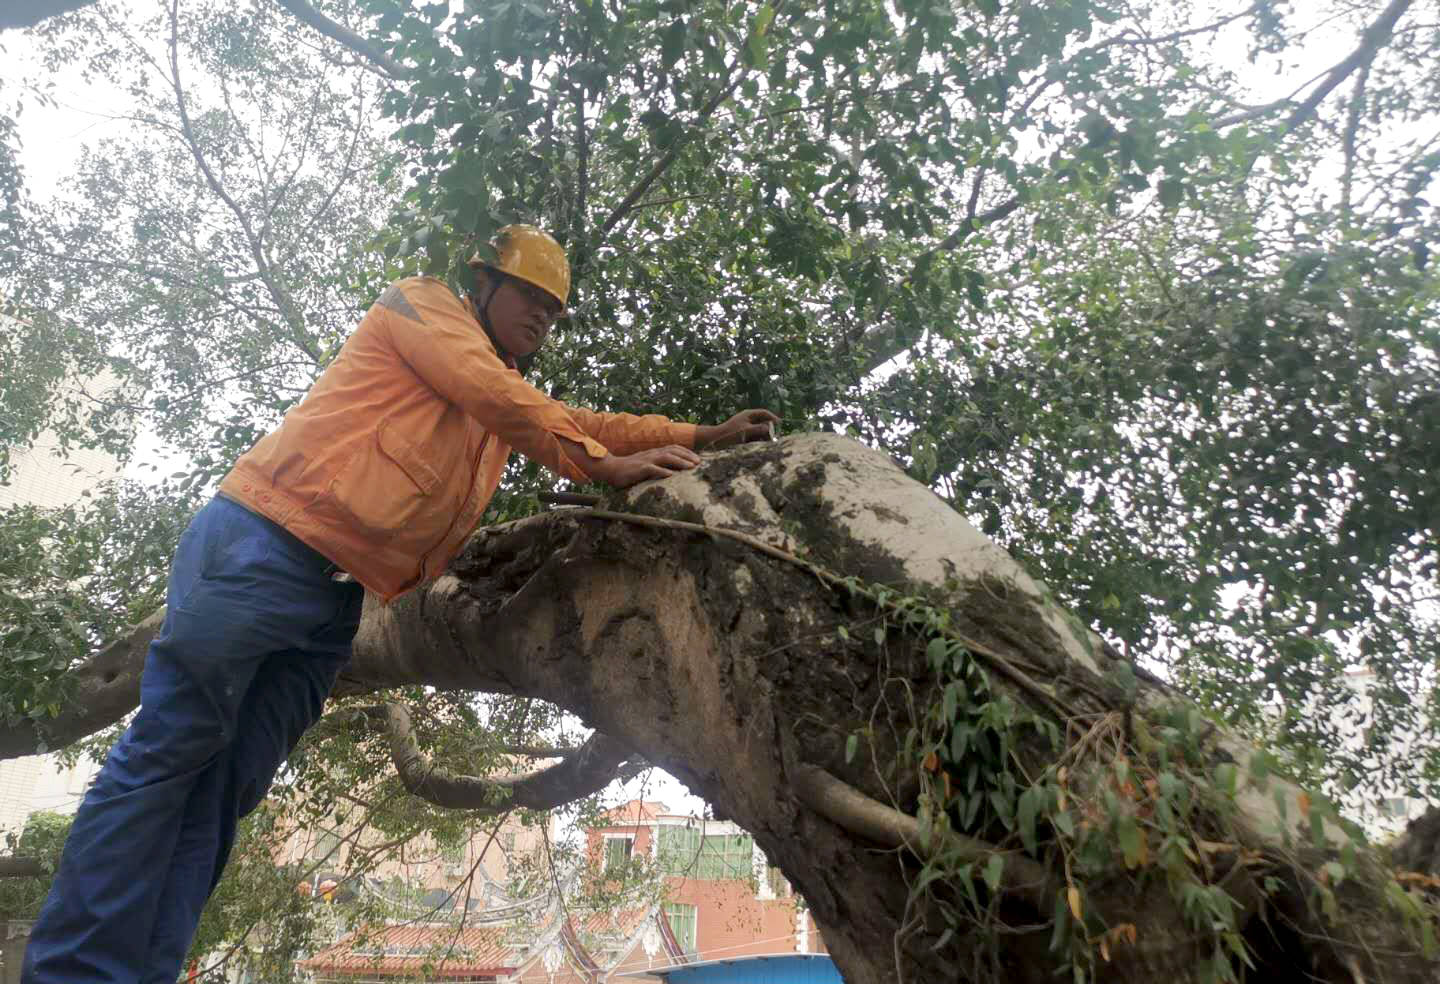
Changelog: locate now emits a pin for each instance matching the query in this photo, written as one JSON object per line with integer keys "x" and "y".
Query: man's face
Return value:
{"x": 522, "y": 315}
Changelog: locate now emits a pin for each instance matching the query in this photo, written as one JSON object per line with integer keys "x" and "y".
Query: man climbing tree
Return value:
{"x": 373, "y": 481}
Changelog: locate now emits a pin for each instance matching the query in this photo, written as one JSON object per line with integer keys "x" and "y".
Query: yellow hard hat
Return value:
{"x": 532, "y": 255}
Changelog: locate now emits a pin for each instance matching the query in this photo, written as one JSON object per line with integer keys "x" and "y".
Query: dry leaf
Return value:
{"x": 1072, "y": 895}
{"x": 1304, "y": 800}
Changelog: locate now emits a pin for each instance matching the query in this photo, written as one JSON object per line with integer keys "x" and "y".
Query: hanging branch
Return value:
{"x": 347, "y": 37}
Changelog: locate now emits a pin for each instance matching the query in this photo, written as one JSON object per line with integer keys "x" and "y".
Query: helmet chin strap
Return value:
{"x": 493, "y": 279}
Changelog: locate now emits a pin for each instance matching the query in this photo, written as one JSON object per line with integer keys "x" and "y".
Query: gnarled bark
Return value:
{"x": 705, "y": 624}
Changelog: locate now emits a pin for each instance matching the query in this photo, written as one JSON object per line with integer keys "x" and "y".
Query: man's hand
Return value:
{"x": 747, "y": 425}
{"x": 625, "y": 470}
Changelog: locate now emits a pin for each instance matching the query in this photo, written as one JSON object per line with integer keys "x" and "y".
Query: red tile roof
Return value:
{"x": 413, "y": 951}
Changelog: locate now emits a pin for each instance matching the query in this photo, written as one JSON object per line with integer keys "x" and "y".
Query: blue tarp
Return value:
{"x": 789, "y": 968}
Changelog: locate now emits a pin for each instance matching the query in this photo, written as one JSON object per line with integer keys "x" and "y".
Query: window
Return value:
{"x": 725, "y": 856}
{"x": 687, "y": 852}
{"x": 682, "y": 923}
{"x": 618, "y": 850}
{"x": 679, "y": 850}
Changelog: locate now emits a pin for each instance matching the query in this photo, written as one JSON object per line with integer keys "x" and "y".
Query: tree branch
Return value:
{"x": 847, "y": 807}
{"x": 103, "y": 689}
{"x": 1370, "y": 41}
{"x": 582, "y": 771}
{"x": 733, "y": 80}
{"x": 1375, "y": 35}
{"x": 28, "y": 13}
{"x": 288, "y": 309}
{"x": 347, "y": 37}
{"x": 537, "y": 751}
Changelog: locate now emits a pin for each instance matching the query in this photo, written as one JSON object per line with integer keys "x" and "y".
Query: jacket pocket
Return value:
{"x": 386, "y": 488}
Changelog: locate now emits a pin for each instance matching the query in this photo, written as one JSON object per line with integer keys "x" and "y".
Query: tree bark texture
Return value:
{"x": 704, "y": 623}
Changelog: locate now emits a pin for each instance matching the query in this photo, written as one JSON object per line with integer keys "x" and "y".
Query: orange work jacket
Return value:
{"x": 387, "y": 464}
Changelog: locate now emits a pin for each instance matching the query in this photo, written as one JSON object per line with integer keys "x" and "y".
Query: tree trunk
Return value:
{"x": 962, "y": 781}
{"x": 807, "y": 711}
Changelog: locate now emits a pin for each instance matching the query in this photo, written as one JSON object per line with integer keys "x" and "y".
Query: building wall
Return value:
{"x": 1381, "y": 809}
{"x": 731, "y": 921}
{"x": 734, "y": 917}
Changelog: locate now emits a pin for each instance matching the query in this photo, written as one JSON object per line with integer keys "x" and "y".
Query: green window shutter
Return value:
{"x": 682, "y": 924}
{"x": 678, "y": 850}
{"x": 618, "y": 850}
{"x": 726, "y": 856}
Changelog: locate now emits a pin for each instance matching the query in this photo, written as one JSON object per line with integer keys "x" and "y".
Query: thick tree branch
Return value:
{"x": 537, "y": 751}
{"x": 103, "y": 689}
{"x": 347, "y": 37}
{"x": 28, "y": 13}
{"x": 582, "y": 771}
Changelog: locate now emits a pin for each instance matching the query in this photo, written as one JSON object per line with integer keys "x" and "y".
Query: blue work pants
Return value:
{"x": 255, "y": 631}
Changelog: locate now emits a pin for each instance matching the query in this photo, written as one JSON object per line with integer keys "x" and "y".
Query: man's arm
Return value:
{"x": 429, "y": 328}
{"x": 745, "y": 426}
{"x": 625, "y": 470}
{"x": 625, "y": 433}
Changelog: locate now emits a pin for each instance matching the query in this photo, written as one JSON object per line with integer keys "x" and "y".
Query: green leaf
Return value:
{"x": 1317, "y": 826}
{"x": 1061, "y": 919}
{"x": 1063, "y": 822}
{"x": 1227, "y": 778}
{"x": 1171, "y": 192}
{"x": 994, "y": 869}
{"x": 1004, "y": 808}
{"x": 1127, "y": 833}
{"x": 763, "y": 18}
{"x": 672, "y": 44}
{"x": 852, "y": 745}
{"x": 1025, "y": 816}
